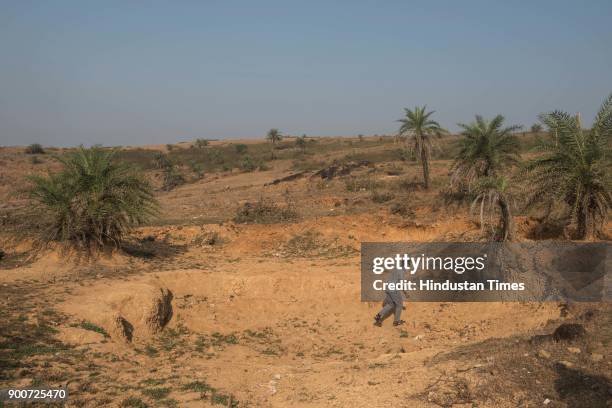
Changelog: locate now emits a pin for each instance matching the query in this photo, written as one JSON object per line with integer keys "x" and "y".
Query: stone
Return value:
{"x": 543, "y": 354}
{"x": 596, "y": 357}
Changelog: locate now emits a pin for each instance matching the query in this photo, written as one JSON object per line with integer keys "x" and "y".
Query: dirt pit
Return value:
{"x": 291, "y": 332}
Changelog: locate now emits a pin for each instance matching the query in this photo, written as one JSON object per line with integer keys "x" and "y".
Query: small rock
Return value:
{"x": 272, "y": 387}
{"x": 547, "y": 401}
{"x": 566, "y": 364}
{"x": 544, "y": 354}
{"x": 277, "y": 376}
{"x": 595, "y": 357}
{"x": 419, "y": 337}
{"x": 574, "y": 350}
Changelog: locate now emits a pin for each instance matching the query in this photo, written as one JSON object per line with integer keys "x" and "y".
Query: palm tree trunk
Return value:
{"x": 585, "y": 228}
{"x": 425, "y": 164}
{"x": 507, "y": 224}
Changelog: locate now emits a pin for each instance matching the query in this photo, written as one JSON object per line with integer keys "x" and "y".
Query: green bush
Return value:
{"x": 241, "y": 148}
{"x": 161, "y": 161}
{"x": 35, "y": 148}
{"x": 247, "y": 163}
{"x": 172, "y": 178}
{"x": 197, "y": 169}
{"x": 201, "y": 143}
{"x": 93, "y": 201}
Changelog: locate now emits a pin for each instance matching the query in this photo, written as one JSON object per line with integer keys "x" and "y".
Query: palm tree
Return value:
{"x": 300, "y": 142}
{"x": 93, "y": 201}
{"x": 493, "y": 195}
{"x": 274, "y": 136}
{"x": 485, "y": 149}
{"x": 574, "y": 169}
{"x": 417, "y": 124}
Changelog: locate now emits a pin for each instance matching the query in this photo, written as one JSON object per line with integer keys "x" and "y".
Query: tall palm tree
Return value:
{"x": 274, "y": 136}
{"x": 417, "y": 124}
{"x": 485, "y": 149}
{"x": 574, "y": 169}
{"x": 493, "y": 194}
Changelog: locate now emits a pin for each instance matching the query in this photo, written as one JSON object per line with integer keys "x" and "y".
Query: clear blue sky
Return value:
{"x": 136, "y": 72}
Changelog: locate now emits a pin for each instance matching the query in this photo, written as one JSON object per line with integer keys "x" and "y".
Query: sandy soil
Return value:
{"x": 260, "y": 323}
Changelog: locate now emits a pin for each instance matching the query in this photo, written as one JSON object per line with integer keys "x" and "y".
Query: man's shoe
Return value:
{"x": 398, "y": 322}
{"x": 377, "y": 320}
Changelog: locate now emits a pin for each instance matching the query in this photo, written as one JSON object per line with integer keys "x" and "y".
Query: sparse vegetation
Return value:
{"x": 493, "y": 195}
{"x": 361, "y": 183}
{"x": 248, "y": 164}
{"x": 574, "y": 169}
{"x": 35, "y": 148}
{"x": 418, "y": 125}
{"x": 536, "y": 128}
{"x": 301, "y": 143}
{"x": 201, "y": 143}
{"x": 156, "y": 393}
{"x": 92, "y": 327}
{"x": 172, "y": 177}
{"x": 93, "y": 201}
{"x": 485, "y": 149}
{"x": 265, "y": 211}
{"x": 274, "y": 136}
{"x": 133, "y": 402}
{"x": 382, "y": 196}
{"x": 197, "y": 169}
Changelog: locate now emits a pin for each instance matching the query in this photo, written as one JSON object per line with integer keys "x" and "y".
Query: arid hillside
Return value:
{"x": 245, "y": 290}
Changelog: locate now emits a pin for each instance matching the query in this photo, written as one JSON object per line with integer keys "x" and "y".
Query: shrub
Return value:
{"x": 35, "y": 148}
{"x": 265, "y": 211}
{"x": 161, "y": 161}
{"x": 172, "y": 178}
{"x": 197, "y": 169}
{"x": 401, "y": 208}
{"x": 241, "y": 148}
{"x": 93, "y": 201}
{"x": 157, "y": 393}
{"x": 133, "y": 402}
{"x": 247, "y": 163}
{"x": 536, "y": 128}
{"x": 201, "y": 143}
{"x": 382, "y": 197}
{"x": 2, "y": 254}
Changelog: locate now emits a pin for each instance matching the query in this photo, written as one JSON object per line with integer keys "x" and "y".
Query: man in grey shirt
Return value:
{"x": 394, "y": 300}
